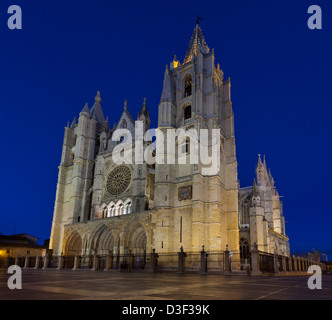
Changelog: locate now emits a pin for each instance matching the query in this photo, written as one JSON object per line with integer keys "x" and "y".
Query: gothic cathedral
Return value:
{"x": 103, "y": 206}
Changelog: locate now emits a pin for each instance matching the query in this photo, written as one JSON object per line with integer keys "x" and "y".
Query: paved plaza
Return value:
{"x": 53, "y": 284}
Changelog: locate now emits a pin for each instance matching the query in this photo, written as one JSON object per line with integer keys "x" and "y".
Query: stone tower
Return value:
{"x": 73, "y": 195}
{"x": 261, "y": 216}
{"x": 194, "y": 208}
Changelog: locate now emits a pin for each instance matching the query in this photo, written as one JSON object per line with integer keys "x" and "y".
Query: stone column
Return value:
{"x": 7, "y": 261}
{"x": 109, "y": 262}
{"x": 299, "y": 264}
{"x": 290, "y": 264}
{"x": 45, "y": 264}
{"x": 283, "y": 262}
{"x": 295, "y": 264}
{"x": 255, "y": 267}
{"x": 17, "y": 261}
{"x": 61, "y": 262}
{"x": 130, "y": 261}
{"x": 275, "y": 262}
{"x": 76, "y": 262}
{"x": 95, "y": 263}
{"x": 154, "y": 260}
{"x": 204, "y": 255}
{"x": 26, "y": 262}
{"x": 37, "y": 264}
{"x": 181, "y": 260}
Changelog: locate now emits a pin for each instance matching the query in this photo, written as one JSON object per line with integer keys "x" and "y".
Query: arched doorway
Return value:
{"x": 73, "y": 244}
{"x": 135, "y": 242}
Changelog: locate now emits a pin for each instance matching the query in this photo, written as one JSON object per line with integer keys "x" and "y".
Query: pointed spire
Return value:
{"x": 97, "y": 98}
{"x": 197, "y": 41}
{"x": 264, "y": 162}
{"x": 126, "y": 111}
{"x": 259, "y": 163}
{"x": 254, "y": 189}
{"x": 73, "y": 124}
{"x": 86, "y": 108}
{"x": 144, "y": 109}
{"x": 166, "y": 95}
{"x": 175, "y": 63}
{"x": 98, "y": 110}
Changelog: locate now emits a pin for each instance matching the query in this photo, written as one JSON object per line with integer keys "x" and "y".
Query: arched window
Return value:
{"x": 120, "y": 210}
{"x": 244, "y": 249}
{"x": 187, "y": 112}
{"x": 111, "y": 211}
{"x": 187, "y": 86}
{"x": 186, "y": 146}
{"x": 129, "y": 207}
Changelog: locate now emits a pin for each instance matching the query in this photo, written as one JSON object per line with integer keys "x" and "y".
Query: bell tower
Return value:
{"x": 203, "y": 208}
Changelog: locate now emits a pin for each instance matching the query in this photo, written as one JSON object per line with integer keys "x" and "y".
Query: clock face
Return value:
{"x": 118, "y": 180}
{"x": 185, "y": 193}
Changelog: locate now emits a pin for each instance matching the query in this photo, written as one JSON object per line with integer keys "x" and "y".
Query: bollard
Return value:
{"x": 181, "y": 260}
{"x": 154, "y": 260}
{"x": 204, "y": 255}
{"x": 227, "y": 260}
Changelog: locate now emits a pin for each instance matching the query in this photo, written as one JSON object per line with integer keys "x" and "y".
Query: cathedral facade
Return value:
{"x": 103, "y": 205}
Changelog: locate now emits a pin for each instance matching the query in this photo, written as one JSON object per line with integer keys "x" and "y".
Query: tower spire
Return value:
{"x": 197, "y": 41}
{"x": 97, "y": 109}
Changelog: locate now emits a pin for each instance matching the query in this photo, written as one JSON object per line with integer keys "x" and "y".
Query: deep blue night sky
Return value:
{"x": 67, "y": 50}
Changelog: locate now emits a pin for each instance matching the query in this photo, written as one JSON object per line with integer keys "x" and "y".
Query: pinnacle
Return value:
{"x": 97, "y": 98}
{"x": 86, "y": 108}
{"x": 196, "y": 42}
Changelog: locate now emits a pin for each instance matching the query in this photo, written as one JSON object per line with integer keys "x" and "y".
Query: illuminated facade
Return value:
{"x": 105, "y": 207}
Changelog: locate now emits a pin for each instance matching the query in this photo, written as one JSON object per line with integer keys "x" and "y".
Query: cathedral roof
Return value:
{"x": 196, "y": 42}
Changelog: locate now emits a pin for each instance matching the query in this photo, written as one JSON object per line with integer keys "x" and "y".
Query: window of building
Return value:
{"x": 187, "y": 112}
{"x": 185, "y": 148}
{"x": 187, "y": 86}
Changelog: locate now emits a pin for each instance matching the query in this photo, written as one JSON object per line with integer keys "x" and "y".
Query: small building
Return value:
{"x": 19, "y": 245}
